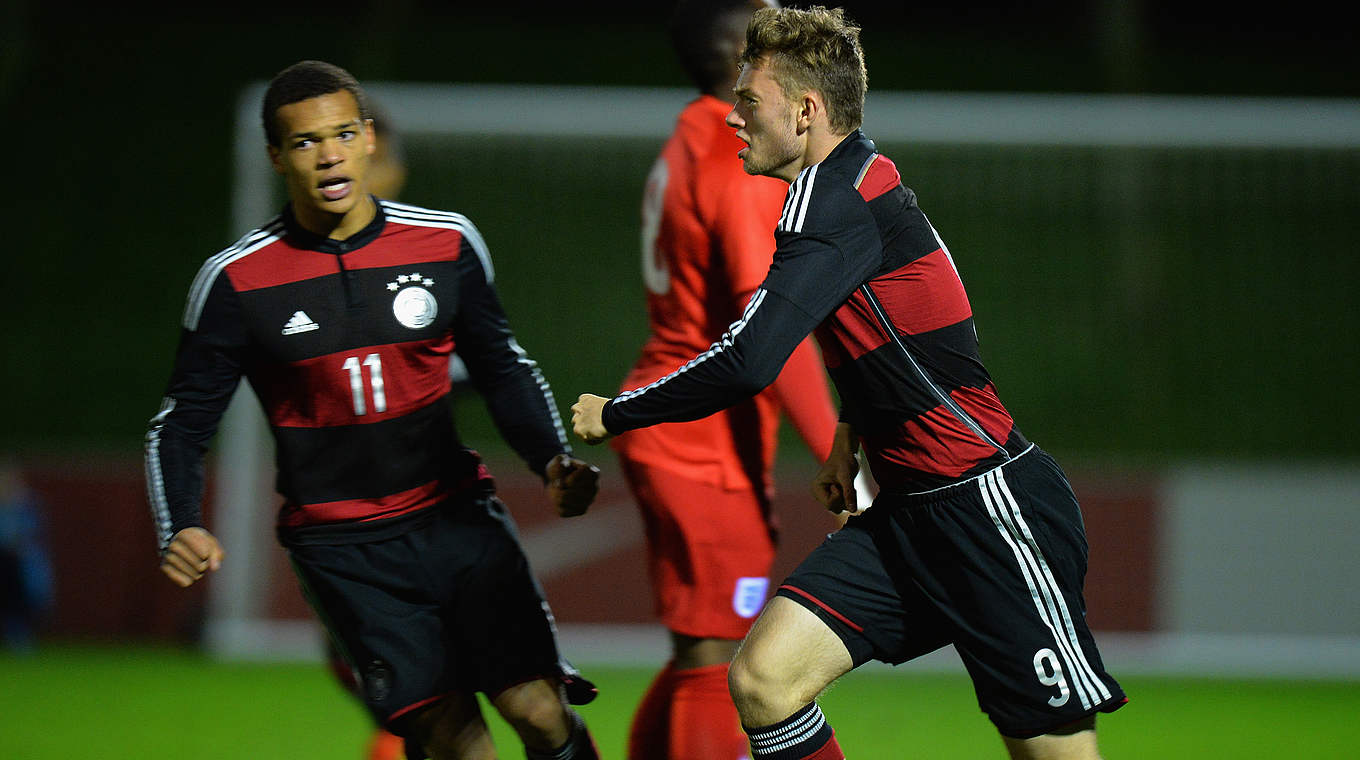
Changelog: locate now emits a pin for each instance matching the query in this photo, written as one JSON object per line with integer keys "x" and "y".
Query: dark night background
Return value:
{"x": 1142, "y": 308}
{"x": 120, "y": 122}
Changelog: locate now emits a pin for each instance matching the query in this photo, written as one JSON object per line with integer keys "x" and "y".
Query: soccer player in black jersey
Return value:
{"x": 975, "y": 538}
{"x": 344, "y": 313}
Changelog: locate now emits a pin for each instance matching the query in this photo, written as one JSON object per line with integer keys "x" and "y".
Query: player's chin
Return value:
{"x": 339, "y": 205}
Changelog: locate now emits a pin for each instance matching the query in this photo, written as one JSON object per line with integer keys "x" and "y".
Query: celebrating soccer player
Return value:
{"x": 704, "y": 487}
{"x": 975, "y": 538}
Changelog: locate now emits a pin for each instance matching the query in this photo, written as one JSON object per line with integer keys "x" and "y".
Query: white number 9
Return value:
{"x": 1049, "y": 670}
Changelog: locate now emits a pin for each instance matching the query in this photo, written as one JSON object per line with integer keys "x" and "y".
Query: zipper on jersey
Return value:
{"x": 935, "y": 390}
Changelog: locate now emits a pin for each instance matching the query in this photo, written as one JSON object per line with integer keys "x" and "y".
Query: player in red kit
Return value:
{"x": 705, "y": 487}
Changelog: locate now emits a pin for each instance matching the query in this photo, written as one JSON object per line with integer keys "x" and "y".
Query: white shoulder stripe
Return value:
{"x": 416, "y": 216}
{"x": 788, "y": 202}
{"x": 406, "y": 213}
{"x": 417, "y": 221}
{"x": 720, "y": 346}
{"x": 796, "y": 202}
{"x": 791, "y": 202}
{"x": 393, "y": 207}
{"x": 207, "y": 274}
{"x": 807, "y": 196}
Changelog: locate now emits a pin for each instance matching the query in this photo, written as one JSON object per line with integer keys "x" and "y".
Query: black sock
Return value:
{"x": 797, "y": 736}
{"x": 579, "y": 745}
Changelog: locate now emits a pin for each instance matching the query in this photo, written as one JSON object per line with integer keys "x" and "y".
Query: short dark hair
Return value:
{"x": 302, "y": 81}
{"x": 696, "y": 29}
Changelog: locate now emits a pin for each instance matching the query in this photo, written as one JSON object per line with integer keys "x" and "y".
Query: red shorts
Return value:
{"x": 709, "y": 552}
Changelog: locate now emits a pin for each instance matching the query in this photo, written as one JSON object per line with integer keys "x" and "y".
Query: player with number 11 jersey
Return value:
{"x": 347, "y": 345}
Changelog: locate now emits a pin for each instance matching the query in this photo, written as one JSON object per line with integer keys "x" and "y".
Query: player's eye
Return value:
{"x": 348, "y": 134}
{"x": 302, "y": 144}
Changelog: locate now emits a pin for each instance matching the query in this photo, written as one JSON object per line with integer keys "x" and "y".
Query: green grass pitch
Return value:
{"x": 135, "y": 703}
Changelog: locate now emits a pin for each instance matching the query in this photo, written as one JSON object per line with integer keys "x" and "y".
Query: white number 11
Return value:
{"x": 356, "y": 384}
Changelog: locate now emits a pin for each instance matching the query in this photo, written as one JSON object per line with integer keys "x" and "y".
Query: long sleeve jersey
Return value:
{"x": 347, "y": 345}
{"x": 708, "y": 237}
{"x": 858, "y": 264}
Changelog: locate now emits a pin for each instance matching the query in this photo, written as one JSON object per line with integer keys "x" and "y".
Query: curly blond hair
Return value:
{"x": 813, "y": 49}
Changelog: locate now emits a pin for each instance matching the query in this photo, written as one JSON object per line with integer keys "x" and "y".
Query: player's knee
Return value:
{"x": 536, "y": 711}
{"x": 757, "y": 685}
{"x": 445, "y": 728}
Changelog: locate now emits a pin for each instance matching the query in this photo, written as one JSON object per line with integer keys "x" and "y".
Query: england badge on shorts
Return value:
{"x": 750, "y": 596}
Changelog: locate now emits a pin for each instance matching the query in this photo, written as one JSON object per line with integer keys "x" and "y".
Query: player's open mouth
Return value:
{"x": 335, "y": 188}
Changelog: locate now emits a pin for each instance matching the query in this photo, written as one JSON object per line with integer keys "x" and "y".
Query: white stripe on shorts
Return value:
{"x": 1043, "y": 587}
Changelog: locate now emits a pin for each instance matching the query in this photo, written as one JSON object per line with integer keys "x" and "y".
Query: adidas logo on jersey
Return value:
{"x": 299, "y": 323}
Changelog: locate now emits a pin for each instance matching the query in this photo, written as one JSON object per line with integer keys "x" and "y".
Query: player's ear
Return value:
{"x": 275, "y": 158}
{"x": 809, "y": 108}
{"x": 370, "y": 137}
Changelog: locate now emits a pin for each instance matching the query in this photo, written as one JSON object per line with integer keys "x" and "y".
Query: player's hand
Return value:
{"x": 834, "y": 485}
{"x": 587, "y": 418}
{"x": 572, "y": 484}
{"x": 193, "y": 553}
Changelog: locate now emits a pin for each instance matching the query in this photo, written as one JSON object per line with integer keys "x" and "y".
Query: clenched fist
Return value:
{"x": 192, "y": 553}
{"x": 587, "y": 418}
{"x": 572, "y": 484}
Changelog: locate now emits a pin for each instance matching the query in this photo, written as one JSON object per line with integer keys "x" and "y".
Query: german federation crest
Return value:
{"x": 414, "y": 306}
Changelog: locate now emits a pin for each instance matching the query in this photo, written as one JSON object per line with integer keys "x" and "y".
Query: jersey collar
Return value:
{"x": 306, "y": 239}
{"x": 852, "y": 143}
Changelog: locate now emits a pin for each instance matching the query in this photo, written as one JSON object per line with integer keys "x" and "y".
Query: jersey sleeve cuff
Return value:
{"x": 609, "y": 418}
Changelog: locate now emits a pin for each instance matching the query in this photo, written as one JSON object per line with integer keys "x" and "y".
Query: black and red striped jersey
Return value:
{"x": 347, "y": 345}
{"x": 858, "y": 264}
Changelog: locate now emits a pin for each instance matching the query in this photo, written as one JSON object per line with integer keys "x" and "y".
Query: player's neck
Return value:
{"x": 337, "y": 226}
{"x": 817, "y": 145}
{"x": 820, "y": 143}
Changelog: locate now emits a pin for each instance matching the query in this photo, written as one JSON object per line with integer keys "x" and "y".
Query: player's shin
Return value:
{"x": 579, "y": 744}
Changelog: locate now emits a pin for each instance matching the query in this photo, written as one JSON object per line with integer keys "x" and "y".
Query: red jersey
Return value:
{"x": 859, "y": 263}
{"x": 707, "y": 244}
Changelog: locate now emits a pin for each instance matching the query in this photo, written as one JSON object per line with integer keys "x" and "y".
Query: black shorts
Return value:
{"x": 447, "y": 606}
{"x": 993, "y": 565}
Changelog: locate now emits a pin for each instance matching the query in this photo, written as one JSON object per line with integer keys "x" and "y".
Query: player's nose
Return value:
{"x": 329, "y": 154}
